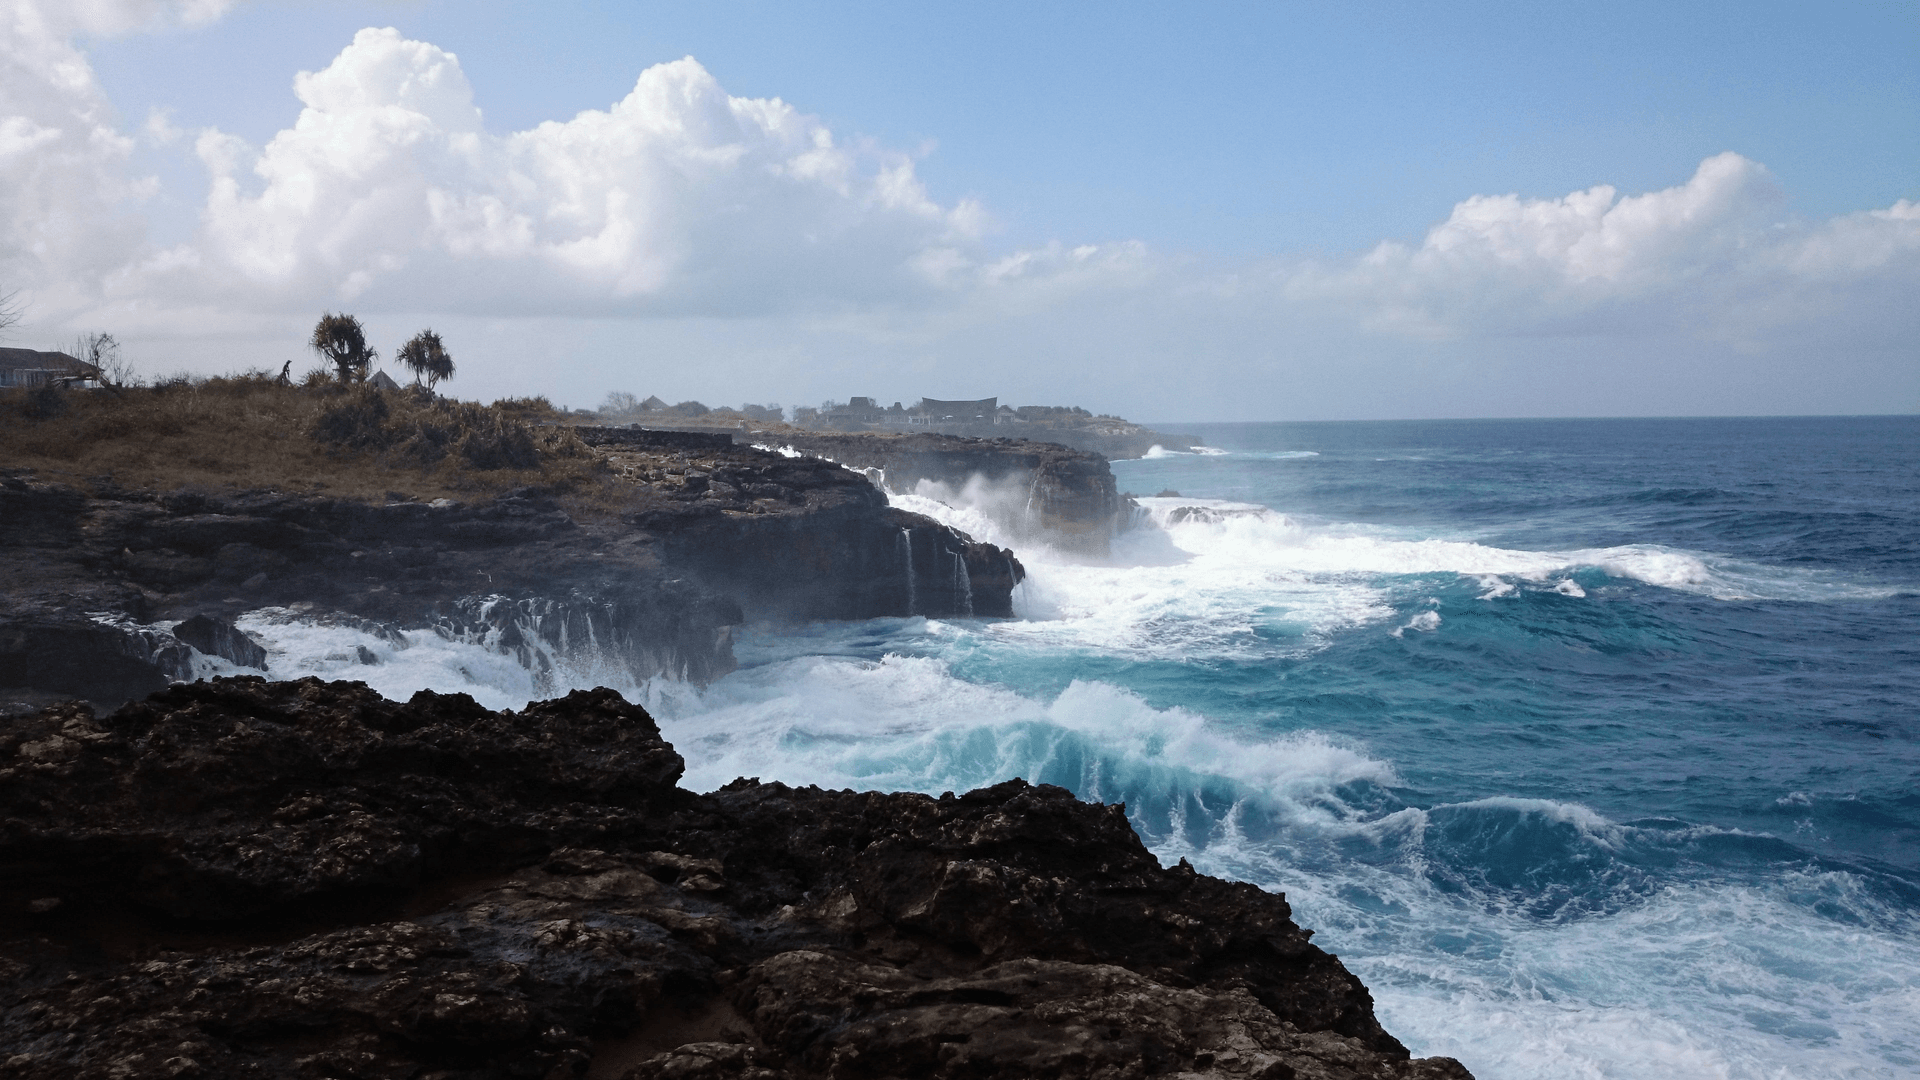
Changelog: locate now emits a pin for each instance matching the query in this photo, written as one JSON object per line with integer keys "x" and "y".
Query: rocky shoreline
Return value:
{"x": 245, "y": 878}
{"x": 1066, "y": 494}
{"x": 698, "y": 537}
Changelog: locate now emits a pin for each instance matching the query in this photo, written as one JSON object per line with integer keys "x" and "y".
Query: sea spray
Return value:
{"x": 1628, "y": 794}
{"x": 913, "y": 585}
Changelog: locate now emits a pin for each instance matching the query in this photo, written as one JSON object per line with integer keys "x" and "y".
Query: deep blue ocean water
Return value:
{"x": 1593, "y": 747}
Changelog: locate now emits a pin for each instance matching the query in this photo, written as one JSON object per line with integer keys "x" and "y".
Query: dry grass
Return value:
{"x": 251, "y": 432}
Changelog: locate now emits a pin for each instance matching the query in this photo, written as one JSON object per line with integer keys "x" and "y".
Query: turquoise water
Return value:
{"x": 1590, "y": 745}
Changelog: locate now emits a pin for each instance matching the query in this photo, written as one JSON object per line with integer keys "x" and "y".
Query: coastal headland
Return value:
{"x": 1062, "y": 425}
{"x": 305, "y": 879}
{"x": 641, "y": 557}
{"x": 231, "y": 876}
{"x": 1069, "y": 495}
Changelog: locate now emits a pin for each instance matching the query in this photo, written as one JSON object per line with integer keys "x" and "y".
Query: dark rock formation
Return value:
{"x": 1068, "y": 494}
{"x": 1107, "y": 437}
{"x": 1113, "y": 441}
{"x": 222, "y": 639}
{"x": 64, "y": 654}
{"x": 701, "y": 537}
{"x": 803, "y": 538}
{"x": 243, "y": 878}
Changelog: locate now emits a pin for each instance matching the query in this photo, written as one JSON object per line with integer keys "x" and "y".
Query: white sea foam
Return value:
{"x": 1426, "y": 622}
{"x": 1801, "y": 976}
{"x": 907, "y": 722}
{"x": 1252, "y": 534}
{"x": 1692, "y": 981}
{"x": 299, "y": 644}
{"x": 1701, "y": 981}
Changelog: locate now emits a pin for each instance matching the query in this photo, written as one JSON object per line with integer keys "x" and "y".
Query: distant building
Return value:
{"x": 31, "y": 367}
{"x": 382, "y": 381}
{"x": 855, "y": 414}
{"x": 934, "y": 411}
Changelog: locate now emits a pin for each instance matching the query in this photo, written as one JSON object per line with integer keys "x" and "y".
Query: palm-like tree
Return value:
{"x": 343, "y": 342}
{"x": 427, "y": 357}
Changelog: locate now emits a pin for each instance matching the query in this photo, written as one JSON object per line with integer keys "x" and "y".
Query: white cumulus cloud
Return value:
{"x": 1717, "y": 254}
{"x": 684, "y": 215}
{"x": 389, "y": 192}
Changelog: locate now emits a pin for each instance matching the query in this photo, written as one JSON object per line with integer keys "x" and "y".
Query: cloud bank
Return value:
{"x": 388, "y": 191}
{"x": 680, "y": 205}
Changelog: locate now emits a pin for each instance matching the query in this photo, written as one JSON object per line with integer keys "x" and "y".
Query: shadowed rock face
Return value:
{"x": 245, "y": 878}
{"x": 215, "y": 638}
{"x": 1070, "y": 493}
{"x": 706, "y": 536}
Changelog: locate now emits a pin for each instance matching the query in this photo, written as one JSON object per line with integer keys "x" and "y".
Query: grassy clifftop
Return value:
{"x": 253, "y": 432}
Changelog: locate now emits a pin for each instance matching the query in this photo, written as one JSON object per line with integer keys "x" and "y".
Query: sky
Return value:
{"x": 1210, "y": 211}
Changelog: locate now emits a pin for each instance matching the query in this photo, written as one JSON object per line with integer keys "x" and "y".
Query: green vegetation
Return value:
{"x": 342, "y": 342}
{"x": 427, "y": 357}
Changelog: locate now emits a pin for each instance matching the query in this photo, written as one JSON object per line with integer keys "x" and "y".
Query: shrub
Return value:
{"x": 256, "y": 432}
{"x": 417, "y": 429}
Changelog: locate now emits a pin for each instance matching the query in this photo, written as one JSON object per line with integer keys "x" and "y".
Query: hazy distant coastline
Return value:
{"x": 982, "y": 418}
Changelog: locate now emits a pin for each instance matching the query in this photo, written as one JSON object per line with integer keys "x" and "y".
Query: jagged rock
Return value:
{"x": 244, "y": 878}
{"x": 701, "y": 536}
{"x": 223, "y": 639}
{"x": 1069, "y": 493}
{"x": 72, "y": 654}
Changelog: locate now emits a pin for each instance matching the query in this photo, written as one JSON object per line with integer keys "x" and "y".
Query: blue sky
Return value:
{"x": 1238, "y": 128}
{"x": 1100, "y": 194}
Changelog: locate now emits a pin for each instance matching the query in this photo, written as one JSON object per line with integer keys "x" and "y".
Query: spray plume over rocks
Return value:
{"x": 239, "y": 877}
{"x": 1042, "y": 488}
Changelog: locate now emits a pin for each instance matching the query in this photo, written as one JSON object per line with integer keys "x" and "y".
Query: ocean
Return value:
{"x": 1591, "y": 746}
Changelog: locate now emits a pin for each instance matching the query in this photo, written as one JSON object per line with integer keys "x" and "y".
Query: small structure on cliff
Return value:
{"x": 857, "y": 413}
{"x": 33, "y": 367}
{"x": 934, "y": 411}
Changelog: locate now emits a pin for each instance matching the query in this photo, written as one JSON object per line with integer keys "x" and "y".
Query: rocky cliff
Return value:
{"x": 243, "y": 878}
{"x": 721, "y": 512}
{"x": 684, "y": 541}
{"x": 1069, "y": 494}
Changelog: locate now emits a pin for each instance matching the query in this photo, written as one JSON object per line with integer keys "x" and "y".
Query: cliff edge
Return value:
{"x": 682, "y": 538}
{"x": 244, "y": 878}
{"x": 1067, "y": 494}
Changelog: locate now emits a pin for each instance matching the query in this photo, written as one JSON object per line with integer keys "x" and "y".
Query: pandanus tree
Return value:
{"x": 427, "y": 357}
{"x": 342, "y": 341}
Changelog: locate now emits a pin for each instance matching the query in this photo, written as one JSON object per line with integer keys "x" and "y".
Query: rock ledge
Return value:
{"x": 244, "y": 878}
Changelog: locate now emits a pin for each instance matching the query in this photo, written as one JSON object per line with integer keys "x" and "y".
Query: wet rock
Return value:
{"x": 223, "y": 639}
{"x": 303, "y": 879}
{"x": 72, "y": 654}
{"x": 691, "y": 539}
{"x": 1070, "y": 494}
